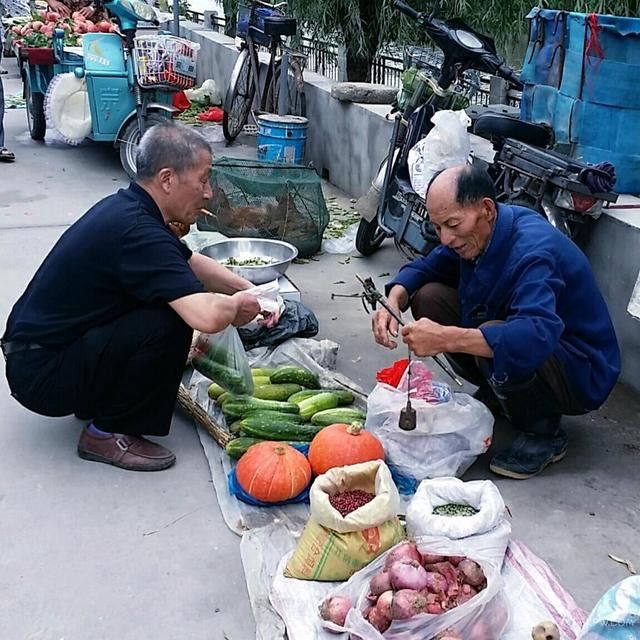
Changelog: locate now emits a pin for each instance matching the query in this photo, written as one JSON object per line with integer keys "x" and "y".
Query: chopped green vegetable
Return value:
{"x": 453, "y": 509}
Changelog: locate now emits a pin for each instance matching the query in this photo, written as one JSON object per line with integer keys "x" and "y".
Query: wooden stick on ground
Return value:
{"x": 188, "y": 404}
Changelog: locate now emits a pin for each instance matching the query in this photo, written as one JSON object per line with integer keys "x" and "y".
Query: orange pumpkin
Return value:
{"x": 341, "y": 444}
{"x": 273, "y": 471}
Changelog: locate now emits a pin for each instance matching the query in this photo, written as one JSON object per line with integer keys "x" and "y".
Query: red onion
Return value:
{"x": 384, "y": 603}
{"x": 471, "y": 572}
{"x": 435, "y": 608}
{"x": 455, "y": 560}
{"x": 406, "y": 604}
{"x": 436, "y": 582}
{"x": 404, "y": 551}
{"x": 378, "y": 620}
{"x": 407, "y": 574}
{"x": 449, "y": 572}
{"x": 380, "y": 583}
{"x": 466, "y": 593}
{"x": 431, "y": 558}
{"x": 335, "y": 609}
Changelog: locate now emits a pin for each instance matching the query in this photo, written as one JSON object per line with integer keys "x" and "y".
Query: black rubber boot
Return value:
{"x": 532, "y": 409}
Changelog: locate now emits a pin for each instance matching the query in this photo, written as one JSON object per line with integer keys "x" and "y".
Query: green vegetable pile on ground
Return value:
{"x": 291, "y": 407}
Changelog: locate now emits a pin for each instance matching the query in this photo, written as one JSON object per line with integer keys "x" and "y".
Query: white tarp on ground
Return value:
{"x": 285, "y": 607}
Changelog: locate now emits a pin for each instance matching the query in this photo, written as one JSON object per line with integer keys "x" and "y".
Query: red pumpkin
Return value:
{"x": 273, "y": 471}
{"x": 341, "y": 444}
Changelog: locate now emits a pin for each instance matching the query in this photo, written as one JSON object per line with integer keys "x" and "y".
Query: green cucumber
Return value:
{"x": 295, "y": 375}
{"x": 260, "y": 381}
{"x": 275, "y": 391}
{"x": 277, "y": 416}
{"x": 343, "y": 396}
{"x": 215, "y": 391}
{"x": 262, "y": 371}
{"x": 238, "y": 447}
{"x": 227, "y": 378}
{"x": 255, "y": 428}
{"x": 234, "y": 427}
{"x": 342, "y": 415}
{"x": 314, "y": 404}
{"x": 239, "y": 407}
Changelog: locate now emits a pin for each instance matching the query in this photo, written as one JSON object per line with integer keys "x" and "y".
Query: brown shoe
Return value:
{"x": 133, "y": 453}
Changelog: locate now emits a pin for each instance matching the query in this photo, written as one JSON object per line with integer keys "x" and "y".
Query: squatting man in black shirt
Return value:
{"x": 104, "y": 328}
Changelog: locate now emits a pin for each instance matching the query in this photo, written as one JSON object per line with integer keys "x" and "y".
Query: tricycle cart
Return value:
{"x": 129, "y": 80}
{"x": 37, "y": 68}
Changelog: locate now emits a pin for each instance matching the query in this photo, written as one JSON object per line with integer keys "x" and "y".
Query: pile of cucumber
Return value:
{"x": 287, "y": 405}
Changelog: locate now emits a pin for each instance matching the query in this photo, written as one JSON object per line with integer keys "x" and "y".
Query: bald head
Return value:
{"x": 461, "y": 204}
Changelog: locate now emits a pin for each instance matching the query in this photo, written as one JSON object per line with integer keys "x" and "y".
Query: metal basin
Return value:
{"x": 282, "y": 254}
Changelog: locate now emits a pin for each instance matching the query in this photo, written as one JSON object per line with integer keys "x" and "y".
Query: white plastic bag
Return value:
{"x": 345, "y": 244}
{"x": 616, "y": 616}
{"x": 447, "y": 439}
{"x": 482, "y": 495}
{"x": 222, "y": 358}
{"x": 446, "y": 145}
{"x": 484, "y": 617}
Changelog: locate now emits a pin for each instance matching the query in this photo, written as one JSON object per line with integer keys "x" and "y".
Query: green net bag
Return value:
{"x": 258, "y": 199}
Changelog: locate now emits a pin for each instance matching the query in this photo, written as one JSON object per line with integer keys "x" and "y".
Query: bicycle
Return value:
{"x": 263, "y": 24}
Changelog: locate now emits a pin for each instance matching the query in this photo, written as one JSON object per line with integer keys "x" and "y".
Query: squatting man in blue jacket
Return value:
{"x": 514, "y": 306}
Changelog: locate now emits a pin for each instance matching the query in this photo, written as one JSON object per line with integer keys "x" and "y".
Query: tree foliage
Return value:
{"x": 365, "y": 27}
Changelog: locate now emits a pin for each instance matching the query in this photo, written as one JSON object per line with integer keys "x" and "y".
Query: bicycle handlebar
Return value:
{"x": 406, "y": 9}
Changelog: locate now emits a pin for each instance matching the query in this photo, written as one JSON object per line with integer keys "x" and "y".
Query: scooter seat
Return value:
{"x": 498, "y": 125}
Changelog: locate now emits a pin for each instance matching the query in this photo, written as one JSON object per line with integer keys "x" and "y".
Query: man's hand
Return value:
{"x": 59, "y": 7}
{"x": 247, "y": 308}
{"x": 269, "y": 319}
{"x": 385, "y": 325}
{"x": 87, "y": 12}
{"x": 424, "y": 337}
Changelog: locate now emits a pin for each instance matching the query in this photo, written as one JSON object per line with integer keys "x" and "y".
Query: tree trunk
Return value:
{"x": 230, "y": 17}
{"x": 358, "y": 66}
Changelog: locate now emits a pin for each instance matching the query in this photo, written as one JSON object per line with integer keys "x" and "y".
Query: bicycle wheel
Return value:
{"x": 297, "y": 104}
{"x": 239, "y": 98}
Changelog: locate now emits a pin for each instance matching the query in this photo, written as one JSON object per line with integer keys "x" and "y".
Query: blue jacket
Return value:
{"x": 542, "y": 285}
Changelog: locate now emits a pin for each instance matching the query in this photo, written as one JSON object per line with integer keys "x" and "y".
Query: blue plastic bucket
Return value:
{"x": 282, "y": 138}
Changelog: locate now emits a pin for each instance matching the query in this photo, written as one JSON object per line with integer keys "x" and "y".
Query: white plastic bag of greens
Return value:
{"x": 446, "y": 145}
{"x": 481, "y": 495}
{"x": 447, "y": 439}
{"x": 481, "y": 615}
{"x": 617, "y": 614}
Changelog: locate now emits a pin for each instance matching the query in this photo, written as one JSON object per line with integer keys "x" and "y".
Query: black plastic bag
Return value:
{"x": 296, "y": 321}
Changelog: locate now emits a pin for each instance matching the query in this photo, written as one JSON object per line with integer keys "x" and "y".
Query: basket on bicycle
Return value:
{"x": 165, "y": 62}
{"x": 263, "y": 23}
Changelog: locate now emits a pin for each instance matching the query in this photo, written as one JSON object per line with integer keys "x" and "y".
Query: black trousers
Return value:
{"x": 125, "y": 374}
{"x": 535, "y": 404}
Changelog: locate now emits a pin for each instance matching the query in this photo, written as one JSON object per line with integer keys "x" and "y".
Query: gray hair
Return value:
{"x": 168, "y": 145}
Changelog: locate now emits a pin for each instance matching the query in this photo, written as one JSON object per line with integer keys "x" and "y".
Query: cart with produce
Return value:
{"x": 101, "y": 81}
{"x": 39, "y": 62}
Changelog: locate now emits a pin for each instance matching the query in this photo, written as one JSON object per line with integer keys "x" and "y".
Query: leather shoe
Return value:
{"x": 133, "y": 453}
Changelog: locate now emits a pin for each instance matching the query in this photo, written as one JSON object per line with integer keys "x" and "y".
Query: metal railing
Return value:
{"x": 387, "y": 67}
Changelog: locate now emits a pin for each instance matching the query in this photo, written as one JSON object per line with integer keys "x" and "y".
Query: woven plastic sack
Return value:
{"x": 259, "y": 199}
{"x": 333, "y": 547}
{"x": 482, "y": 495}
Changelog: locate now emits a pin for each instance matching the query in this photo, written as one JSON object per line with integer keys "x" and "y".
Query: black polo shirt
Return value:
{"x": 115, "y": 258}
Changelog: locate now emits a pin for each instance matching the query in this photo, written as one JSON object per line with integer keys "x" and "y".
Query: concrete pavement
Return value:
{"x": 92, "y": 552}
